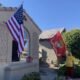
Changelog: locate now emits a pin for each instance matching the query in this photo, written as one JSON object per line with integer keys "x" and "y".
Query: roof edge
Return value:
{"x": 33, "y": 21}
{"x": 8, "y": 8}
{"x": 14, "y": 9}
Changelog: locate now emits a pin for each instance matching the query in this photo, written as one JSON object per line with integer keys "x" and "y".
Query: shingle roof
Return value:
{"x": 50, "y": 33}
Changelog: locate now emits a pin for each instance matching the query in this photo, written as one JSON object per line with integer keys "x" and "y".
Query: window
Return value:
{"x": 15, "y": 56}
{"x": 26, "y": 47}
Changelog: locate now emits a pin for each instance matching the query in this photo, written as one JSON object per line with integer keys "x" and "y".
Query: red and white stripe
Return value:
{"x": 17, "y": 31}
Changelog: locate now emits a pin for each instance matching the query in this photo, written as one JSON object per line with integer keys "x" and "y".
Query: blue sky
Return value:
{"x": 49, "y": 14}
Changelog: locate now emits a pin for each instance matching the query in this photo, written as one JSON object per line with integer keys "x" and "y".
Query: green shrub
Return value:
{"x": 76, "y": 74}
{"x": 62, "y": 71}
{"x": 31, "y": 76}
{"x": 72, "y": 40}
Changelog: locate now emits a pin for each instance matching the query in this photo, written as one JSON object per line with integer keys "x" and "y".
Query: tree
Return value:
{"x": 72, "y": 40}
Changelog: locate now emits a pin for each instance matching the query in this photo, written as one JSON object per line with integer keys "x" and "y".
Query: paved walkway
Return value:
{"x": 2, "y": 66}
{"x": 47, "y": 73}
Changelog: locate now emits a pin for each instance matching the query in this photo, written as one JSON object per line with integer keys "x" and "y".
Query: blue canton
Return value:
{"x": 19, "y": 15}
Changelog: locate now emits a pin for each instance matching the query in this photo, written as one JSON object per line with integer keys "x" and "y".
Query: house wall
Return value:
{"x": 5, "y": 37}
{"x": 34, "y": 32}
{"x": 5, "y": 44}
{"x": 16, "y": 70}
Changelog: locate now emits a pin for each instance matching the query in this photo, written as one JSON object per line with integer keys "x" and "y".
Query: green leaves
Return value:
{"x": 72, "y": 40}
{"x": 31, "y": 76}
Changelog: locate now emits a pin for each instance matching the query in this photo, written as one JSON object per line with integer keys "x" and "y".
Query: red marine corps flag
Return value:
{"x": 58, "y": 44}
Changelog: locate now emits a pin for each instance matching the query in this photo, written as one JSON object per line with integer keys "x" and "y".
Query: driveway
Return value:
{"x": 2, "y": 66}
{"x": 47, "y": 73}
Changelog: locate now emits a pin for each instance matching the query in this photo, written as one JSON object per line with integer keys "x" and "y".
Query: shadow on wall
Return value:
{"x": 46, "y": 43}
{"x": 43, "y": 59}
{"x": 44, "y": 55}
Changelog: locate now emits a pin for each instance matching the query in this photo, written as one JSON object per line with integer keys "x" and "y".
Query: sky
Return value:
{"x": 50, "y": 14}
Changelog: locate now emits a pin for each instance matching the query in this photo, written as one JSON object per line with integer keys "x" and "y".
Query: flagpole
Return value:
{"x": 22, "y": 2}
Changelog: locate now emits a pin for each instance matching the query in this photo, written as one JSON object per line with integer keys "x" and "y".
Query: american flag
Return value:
{"x": 16, "y": 28}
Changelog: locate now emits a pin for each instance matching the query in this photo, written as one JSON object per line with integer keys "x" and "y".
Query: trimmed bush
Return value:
{"x": 76, "y": 74}
{"x": 31, "y": 76}
{"x": 62, "y": 71}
